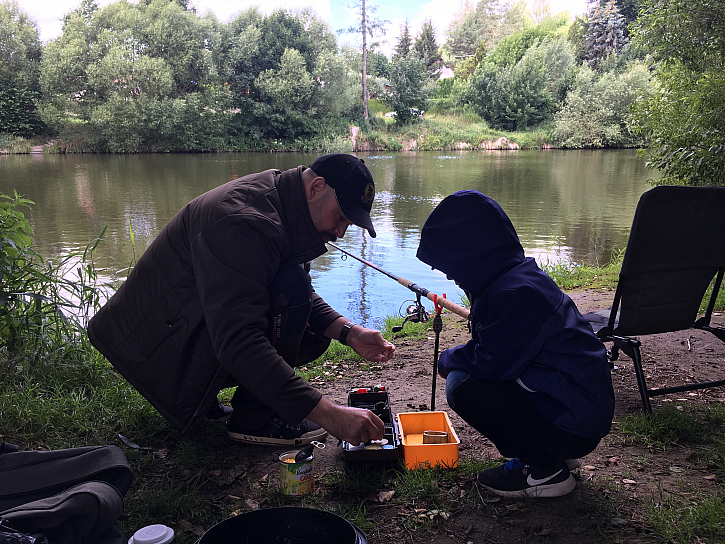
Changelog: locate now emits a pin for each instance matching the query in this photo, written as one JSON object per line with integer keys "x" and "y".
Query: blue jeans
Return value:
{"x": 503, "y": 413}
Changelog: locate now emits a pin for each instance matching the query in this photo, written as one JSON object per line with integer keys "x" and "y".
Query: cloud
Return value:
{"x": 49, "y": 13}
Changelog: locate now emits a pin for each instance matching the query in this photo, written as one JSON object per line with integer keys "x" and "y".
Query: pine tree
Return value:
{"x": 426, "y": 46}
{"x": 606, "y": 33}
{"x": 368, "y": 25}
{"x": 405, "y": 42}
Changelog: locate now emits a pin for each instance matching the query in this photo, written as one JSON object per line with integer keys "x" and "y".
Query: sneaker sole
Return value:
{"x": 303, "y": 440}
{"x": 547, "y": 490}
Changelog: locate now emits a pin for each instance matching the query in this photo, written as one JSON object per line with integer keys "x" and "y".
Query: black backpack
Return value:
{"x": 72, "y": 496}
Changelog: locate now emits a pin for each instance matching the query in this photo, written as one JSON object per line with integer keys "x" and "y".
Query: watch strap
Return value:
{"x": 346, "y": 328}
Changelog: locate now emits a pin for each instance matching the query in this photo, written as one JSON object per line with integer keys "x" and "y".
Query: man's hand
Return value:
{"x": 354, "y": 425}
{"x": 370, "y": 344}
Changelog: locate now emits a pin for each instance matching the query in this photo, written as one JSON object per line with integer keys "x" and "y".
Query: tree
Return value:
{"x": 576, "y": 35}
{"x": 286, "y": 94}
{"x": 517, "y": 96}
{"x": 541, "y": 10}
{"x": 85, "y": 11}
{"x": 514, "y": 19}
{"x": 405, "y": 42}
{"x": 378, "y": 64}
{"x": 471, "y": 27}
{"x": 605, "y": 34}
{"x": 368, "y": 25}
{"x": 629, "y": 9}
{"x": 406, "y": 96}
{"x": 683, "y": 117}
{"x": 597, "y": 111}
{"x": 426, "y": 47}
{"x": 20, "y": 53}
{"x": 136, "y": 77}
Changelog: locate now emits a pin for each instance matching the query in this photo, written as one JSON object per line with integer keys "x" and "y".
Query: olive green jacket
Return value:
{"x": 194, "y": 308}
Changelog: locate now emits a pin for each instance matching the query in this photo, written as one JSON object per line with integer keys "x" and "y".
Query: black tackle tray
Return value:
{"x": 377, "y": 400}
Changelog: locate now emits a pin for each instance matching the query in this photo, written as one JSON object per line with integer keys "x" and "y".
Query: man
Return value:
{"x": 220, "y": 298}
{"x": 534, "y": 378}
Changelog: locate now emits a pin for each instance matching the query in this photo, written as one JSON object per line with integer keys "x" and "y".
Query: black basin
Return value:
{"x": 285, "y": 525}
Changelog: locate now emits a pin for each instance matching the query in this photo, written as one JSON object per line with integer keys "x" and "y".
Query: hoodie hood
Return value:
{"x": 470, "y": 239}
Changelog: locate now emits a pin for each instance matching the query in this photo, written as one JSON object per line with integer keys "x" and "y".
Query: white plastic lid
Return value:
{"x": 153, "y": 534}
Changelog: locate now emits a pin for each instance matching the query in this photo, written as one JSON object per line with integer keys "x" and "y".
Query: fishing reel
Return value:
{"x": 415, "y": 313}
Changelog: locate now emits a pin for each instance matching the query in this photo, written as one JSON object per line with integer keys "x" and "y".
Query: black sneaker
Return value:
{"x": 515, "y": 479}
{"x": 219, "y": 411}
{"x": 279, "y": 433}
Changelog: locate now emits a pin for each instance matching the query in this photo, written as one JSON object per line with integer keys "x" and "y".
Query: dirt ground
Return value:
{"x": 615, "y": 483}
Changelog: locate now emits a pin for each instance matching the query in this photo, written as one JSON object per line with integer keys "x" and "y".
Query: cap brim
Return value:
{"x": 357, "y": 216}
{"x": 365, "y": 223}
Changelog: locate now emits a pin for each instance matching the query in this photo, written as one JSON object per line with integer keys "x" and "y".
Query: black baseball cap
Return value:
{"x": 353, "y": 184}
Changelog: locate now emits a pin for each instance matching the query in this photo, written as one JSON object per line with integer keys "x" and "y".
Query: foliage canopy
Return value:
{"x": 684, "y": 117}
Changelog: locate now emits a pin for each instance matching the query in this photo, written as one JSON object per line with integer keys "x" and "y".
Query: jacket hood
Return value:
{"x": 470, "y": 239}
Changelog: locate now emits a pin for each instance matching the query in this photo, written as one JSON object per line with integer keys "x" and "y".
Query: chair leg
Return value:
{"x": 630, "y": 347}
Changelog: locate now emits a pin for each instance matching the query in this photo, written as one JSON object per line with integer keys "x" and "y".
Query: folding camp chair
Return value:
{"x": 675, "y": 249}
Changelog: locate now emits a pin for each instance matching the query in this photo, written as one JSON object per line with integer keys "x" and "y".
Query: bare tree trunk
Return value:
{"x": 364, "y": 64}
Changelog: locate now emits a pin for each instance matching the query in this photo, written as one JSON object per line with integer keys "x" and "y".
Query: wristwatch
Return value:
{"x": 346, "y": 328}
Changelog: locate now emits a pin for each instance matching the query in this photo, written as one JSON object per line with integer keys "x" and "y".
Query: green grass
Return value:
{"x": 685, "y": 514}
{"x": 688, "y": 516}
{"x": 568, "y": 275}
{"x": 57, "y": 391}
{"x": 465, "y": 130}
{"x": 666, "y": 427}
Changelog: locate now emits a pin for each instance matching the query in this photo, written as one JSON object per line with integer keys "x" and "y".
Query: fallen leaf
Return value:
{"x": 131, "y": 443}
{"x": 385, "y": 496}
{"x": 226, "y": 477}
{"x": 215, "y": 473}
{"x": 676, "y": 470}
{"x": 161, "y": 454}
{"x": 589, "y": 467}
{"x": 438, "y": 515}
{"x": 617, "y": 522}
{"x": 630, "y": 482}
{"x": 420, "y": 510}
{"x": 191, "y": 528}
{"x": 710, "y": 477}
{"x": 251, "y": 504}
{"x": 544, "y": 532}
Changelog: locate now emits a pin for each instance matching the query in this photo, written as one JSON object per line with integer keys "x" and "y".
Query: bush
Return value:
{"x": 596, "y": 112}
{"x": 406, "y": 96}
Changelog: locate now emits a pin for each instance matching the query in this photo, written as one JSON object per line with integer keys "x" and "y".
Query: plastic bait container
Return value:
{"x": 412, "y": 425}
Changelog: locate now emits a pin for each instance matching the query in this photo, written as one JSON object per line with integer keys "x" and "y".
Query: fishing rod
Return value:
{"x": 418, "y": 290}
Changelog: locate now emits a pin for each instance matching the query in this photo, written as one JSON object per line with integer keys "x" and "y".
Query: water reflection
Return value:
{"x": 571, "y": 205}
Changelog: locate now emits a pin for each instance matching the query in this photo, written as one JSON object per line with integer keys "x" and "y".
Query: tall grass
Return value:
{"x": 13, "y": 144}
{"x": 568, "y": 275}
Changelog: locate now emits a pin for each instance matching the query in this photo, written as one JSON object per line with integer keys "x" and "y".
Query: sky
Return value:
{"x": 49, "y": 13}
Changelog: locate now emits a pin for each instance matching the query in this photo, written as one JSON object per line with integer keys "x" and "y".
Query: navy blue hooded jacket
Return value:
{"x": 523, "y": 327}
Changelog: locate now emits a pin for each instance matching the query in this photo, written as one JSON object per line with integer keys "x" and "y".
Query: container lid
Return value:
{"x": 152, "y": 534}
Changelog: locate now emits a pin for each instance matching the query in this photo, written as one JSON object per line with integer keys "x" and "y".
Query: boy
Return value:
{"x": 534, "y": 378}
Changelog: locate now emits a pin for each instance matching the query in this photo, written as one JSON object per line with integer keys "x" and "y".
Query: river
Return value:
{"x": 572, "y": 205}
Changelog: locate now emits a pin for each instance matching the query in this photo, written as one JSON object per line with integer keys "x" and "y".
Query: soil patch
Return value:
{"x": 616, "y": 483}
